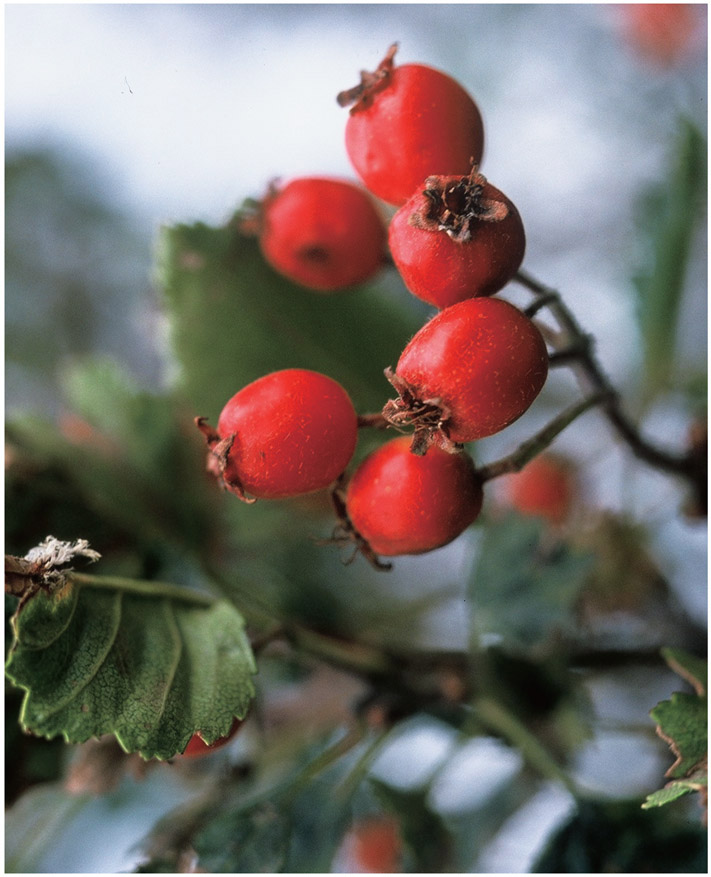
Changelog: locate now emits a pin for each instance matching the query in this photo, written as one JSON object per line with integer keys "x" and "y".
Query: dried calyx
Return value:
{"x": 428, "y": 417}
{"x": 345, "y": 535}
{"x": 218, "y": 457}
{"x": 456, "y": 204}
{"x": 361, "y": 96}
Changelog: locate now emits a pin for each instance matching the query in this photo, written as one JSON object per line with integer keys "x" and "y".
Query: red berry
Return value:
{"x": 457, "y": 237}
{"x": 197, "y": 746}
{"x": 663, "y": 32}
{"x": 375, "y": 845}
{"x": 407, "y": 123}
{"x": 287, "y": 433}
{"x": 544, "y": 488}
{"x": 469, "y": 372}
{"x": 401, "y": 503}
{"x": 326, "y": 234}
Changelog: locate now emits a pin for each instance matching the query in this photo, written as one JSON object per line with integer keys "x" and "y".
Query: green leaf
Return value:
{"x": 523, "y": 588}
{"x": 294, "y": 826}
{"x": 123, "y": 455}
{"x": 428, "y": 843}
{"x": 616, "y": 837}
{"x": 150, "y": 665}
{"x": 233, "y": 319}
{"x": 682, "y": 722}
{"x": 672, "y": 791}
{"x": 694, "y": 670}
{"x": 668, "y": 221}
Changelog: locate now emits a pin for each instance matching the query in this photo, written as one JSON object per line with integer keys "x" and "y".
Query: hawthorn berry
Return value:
{"x": 375, "y": 846}
{"x": 401, "y": 503}
{"x": 469, "y": 372}
{"x": 544, "y": 488}
{"x": 407, "y": 123}
{"x": 287, "y": 433}
{"x": 197, "y": 747}
{"x": 325, "y": 234}
{"x": 457, "y": 237}
{"x": 664, "y": 33}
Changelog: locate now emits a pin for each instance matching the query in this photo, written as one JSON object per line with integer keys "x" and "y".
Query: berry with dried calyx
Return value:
{"x": 287, "y": 433}
{"x": 468, "y": 373}
{"x": 407, "y": 123}
{"x": 456, "y": 238}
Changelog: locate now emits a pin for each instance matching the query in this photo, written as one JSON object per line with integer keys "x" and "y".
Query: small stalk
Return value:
{"x": 594, "y": 377}
{"x": 501, "y": 721}
{"x": 539, "y": 442}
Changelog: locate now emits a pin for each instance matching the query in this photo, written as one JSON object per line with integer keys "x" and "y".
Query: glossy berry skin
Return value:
{"x": 482, "y": 361}
{"x": 325, "y": 234}
{"x": 408, "y": 123}
{"x": 401, "y": 503}
{"x": 445, "y": 255}
{"x": 294, "y": 432}
{"x": 197, "y": 747}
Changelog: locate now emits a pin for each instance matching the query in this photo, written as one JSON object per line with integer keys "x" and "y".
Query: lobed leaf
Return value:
{"x": 694, "y": 670}
{"x": 150, "y": 667}
{"x": 683, "y": 723}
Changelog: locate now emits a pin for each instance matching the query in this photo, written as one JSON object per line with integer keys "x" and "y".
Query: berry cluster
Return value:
{"x": 415, "y": 138}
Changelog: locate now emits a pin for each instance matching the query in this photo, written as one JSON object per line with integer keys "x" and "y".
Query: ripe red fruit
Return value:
{"x": 197, "y": 746}
{"x": 375, "y": 846}
{"x": 287, "y": 433}
{"x": 401, "y": 503}
{"x": 663, "y": 32}
{"x": 544, "y": 488}
{"x": 326, "y": 234}
{"x": 457, "y": 237}
{"x": 407, "y": 123}
{"x": 469, "y": 372}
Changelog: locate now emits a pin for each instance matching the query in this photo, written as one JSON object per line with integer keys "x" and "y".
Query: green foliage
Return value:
{"x": 683, "y": 722}
{"x": 524, "y": 586}
{"x": 669, "y": 219}
{"x": 149, "y": 666}
{"x": 293, "y": 825}
{"x": 616, "y": 837}
{"x": 124, "y": 468}
{"x": 233, "y": 319}
{"x": 428, "y": 843}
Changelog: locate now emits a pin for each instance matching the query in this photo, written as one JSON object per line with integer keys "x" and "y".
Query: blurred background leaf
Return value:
{"x": 669, "y": 218}
{"x": 620, "y": 838}
{"x": 233, "y": 319}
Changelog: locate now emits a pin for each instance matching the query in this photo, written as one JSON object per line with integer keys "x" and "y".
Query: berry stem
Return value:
{"x": 376, "y": 421}
{"x": 592, "y": 376}
{"x": 529, "y": 449}
{"x": 502, "y": 721}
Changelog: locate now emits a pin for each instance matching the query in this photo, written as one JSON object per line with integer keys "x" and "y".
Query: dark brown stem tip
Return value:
{"x": 217, "y": 458}
{"x": 344, "y": 533}
{"x": 361, "y": 95}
